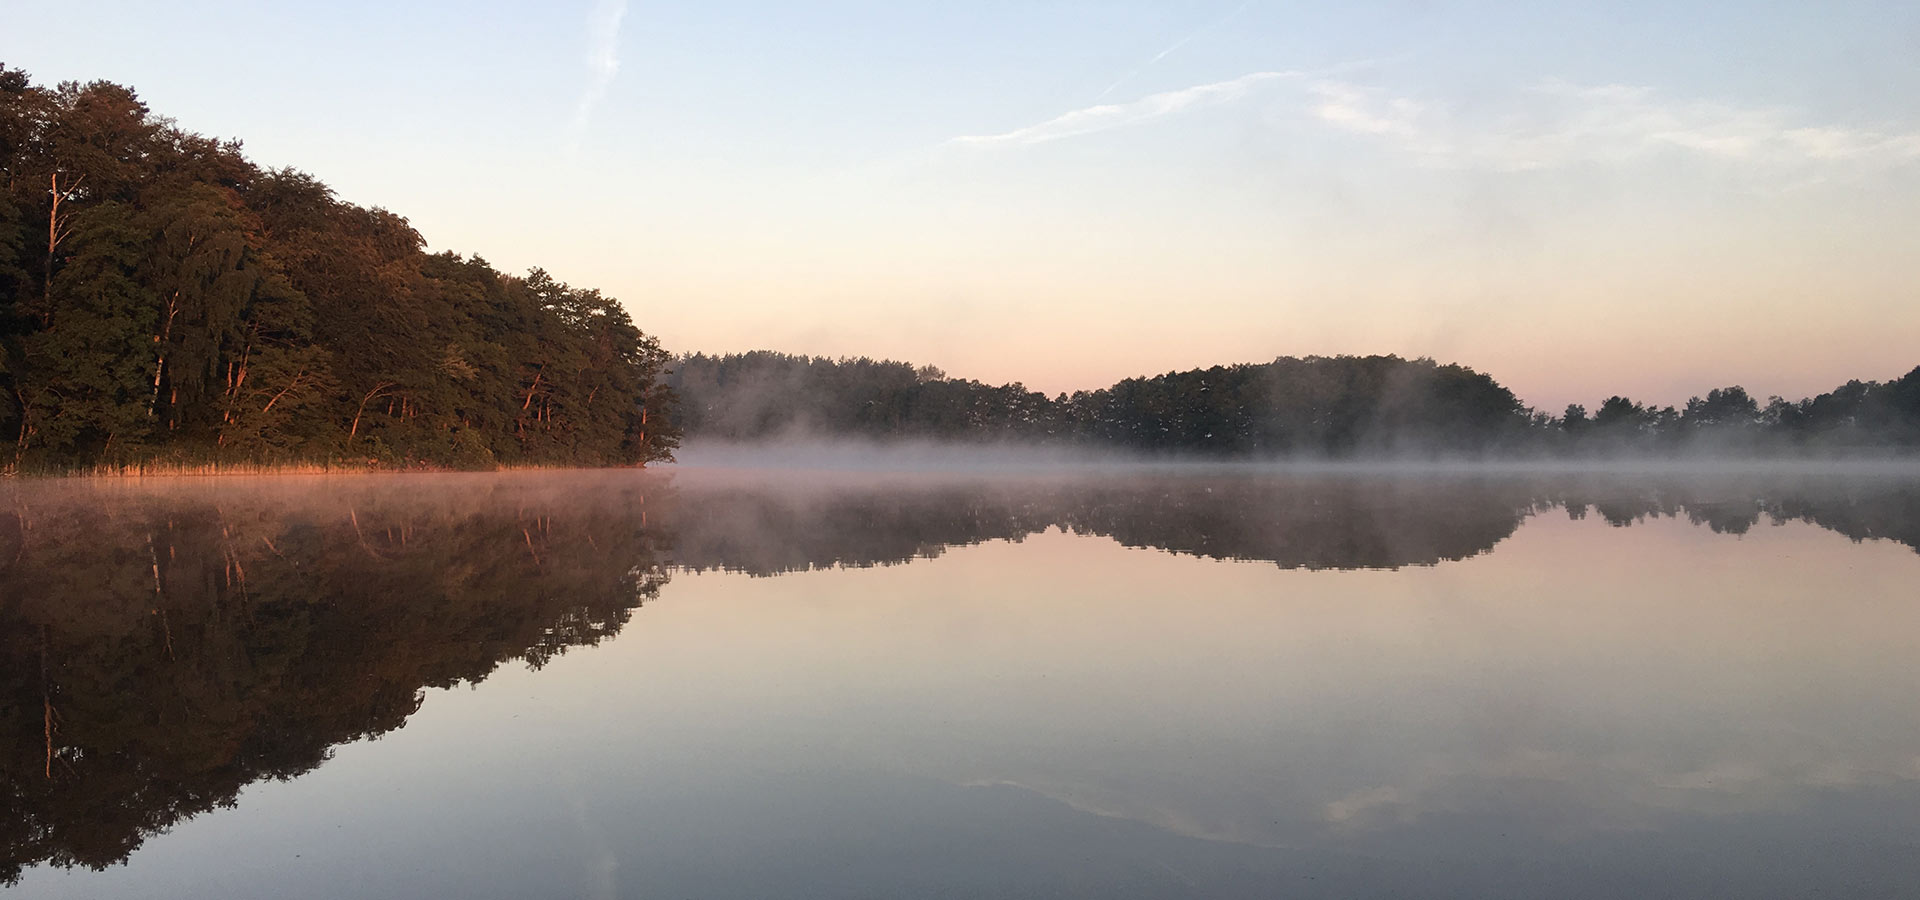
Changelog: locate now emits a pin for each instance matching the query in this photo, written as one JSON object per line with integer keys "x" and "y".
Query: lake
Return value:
{"x": 1113, "y": 683}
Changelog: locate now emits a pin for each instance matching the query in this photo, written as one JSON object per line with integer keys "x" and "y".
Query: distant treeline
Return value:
{"x": 164, "y": 299}
{"x": 1338, "y": 406}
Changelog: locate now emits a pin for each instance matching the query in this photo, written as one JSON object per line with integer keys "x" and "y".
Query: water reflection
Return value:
{"x": 162, "y": 647}
{"x": 766, "y": 525}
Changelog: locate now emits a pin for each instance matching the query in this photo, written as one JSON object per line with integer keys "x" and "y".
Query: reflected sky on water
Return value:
{"x": 1203, "y": 684}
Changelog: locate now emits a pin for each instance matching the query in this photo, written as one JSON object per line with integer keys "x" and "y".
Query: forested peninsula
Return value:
{"x": 166, "y": 302}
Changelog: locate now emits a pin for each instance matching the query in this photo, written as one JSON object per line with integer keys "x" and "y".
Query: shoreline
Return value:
{"x": 933, "y": 459}
{"x": 138, "y": 473}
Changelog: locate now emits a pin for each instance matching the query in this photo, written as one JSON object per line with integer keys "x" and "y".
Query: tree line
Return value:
{"x": 164, "y": 299}
{"x": 1316, "y": 407}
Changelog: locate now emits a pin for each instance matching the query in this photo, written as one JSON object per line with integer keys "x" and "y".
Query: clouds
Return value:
{"x": 1175, "y": 47}
{"x": 1109, "y": 116}
{"x": 1552, "y": 124}
{"x": 1556, "y": 124}
{"x": 603, "y": 62}
{"x": 1351, "y": 108}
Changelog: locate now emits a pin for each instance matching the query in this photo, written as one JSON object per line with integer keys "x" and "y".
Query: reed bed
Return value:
{"x": 180, "y": 469}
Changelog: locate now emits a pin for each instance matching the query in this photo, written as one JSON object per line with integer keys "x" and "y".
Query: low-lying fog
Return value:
{"x": 854, "y": 456}
{"x": 925, "y": 668}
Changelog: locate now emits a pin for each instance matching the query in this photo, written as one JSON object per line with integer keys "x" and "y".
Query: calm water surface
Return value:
{"x": 1201, "y": 684}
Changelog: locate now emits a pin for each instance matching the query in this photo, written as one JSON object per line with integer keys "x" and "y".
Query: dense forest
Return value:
{"x": 164, "y": 300}
{"x": 1316, "y": 407}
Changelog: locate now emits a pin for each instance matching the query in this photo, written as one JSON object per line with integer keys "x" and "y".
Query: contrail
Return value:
{"x": 1107, "y": 116}
{"x": 1176, "y": 45}
{"x": 603, "y": 62}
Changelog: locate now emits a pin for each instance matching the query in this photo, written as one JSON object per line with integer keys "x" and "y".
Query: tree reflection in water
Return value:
{"x": 164, "y": 645}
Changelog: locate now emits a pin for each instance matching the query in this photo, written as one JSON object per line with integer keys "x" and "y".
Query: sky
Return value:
{"x": 1640, "y": 198}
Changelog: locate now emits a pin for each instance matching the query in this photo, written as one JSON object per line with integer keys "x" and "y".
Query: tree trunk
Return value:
{"x": 160, "y": 340}
{"x": 53, "y": 241}
{"x": 237, "y": 376}
{"x": 530, "y": 391}
{"x": 290, "y": 386}
{"x": 57, "y": 232}
{"x": 355, "y": 430}
{"x": 26, "y": 429}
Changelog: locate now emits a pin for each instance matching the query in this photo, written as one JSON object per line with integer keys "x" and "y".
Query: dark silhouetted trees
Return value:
{"x": 1322, "y": 406}
{"x": 1316, "y": 408}
{"x": 1858, "y": 418}
{"x": 761, "y": 395}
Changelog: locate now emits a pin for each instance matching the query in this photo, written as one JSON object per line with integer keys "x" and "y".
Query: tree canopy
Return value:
{"x": 163, "y": 298}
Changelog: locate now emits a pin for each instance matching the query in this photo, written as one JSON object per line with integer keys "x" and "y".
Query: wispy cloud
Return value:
{"x": 1558, "y": 124}
{"x": 603, "y": 62}
{"x": 1554, "y": 124}
{"x": 1173, "y": 48}
{"x": 1353, "y": 109}
{"x": 1109, "y": 116}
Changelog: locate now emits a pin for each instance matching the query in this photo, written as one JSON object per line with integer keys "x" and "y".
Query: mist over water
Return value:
{"x": 982, "y": 675}
{"x": 804, "y": 450}
{"x": 1380, "y": 408}
{"x": 1485, "y": 472}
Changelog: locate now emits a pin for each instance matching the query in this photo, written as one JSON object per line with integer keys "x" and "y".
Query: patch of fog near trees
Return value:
{"x": 800, "y": 450}
{"x": 1371, "y": 408}
{"x": 852, "y": 458}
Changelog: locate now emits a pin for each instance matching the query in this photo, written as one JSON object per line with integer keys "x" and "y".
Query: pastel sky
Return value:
{"x": 1650, "y": 198}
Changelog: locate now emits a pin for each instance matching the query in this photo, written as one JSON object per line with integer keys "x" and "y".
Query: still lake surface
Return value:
{"x": 1202, "y": 683}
